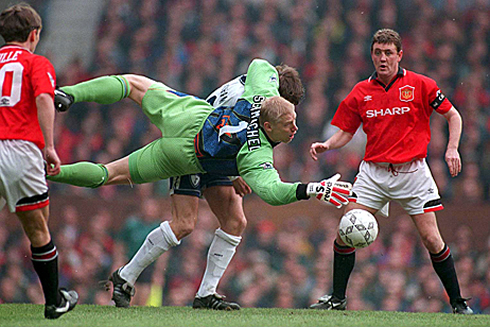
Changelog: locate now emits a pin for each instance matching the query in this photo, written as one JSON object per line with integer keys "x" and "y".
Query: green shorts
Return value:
{"x": 180, "y": 117}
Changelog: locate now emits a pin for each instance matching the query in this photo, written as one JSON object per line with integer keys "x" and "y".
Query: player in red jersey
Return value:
{"x": 394, "y": 105}
{"x": 27, "y": 83}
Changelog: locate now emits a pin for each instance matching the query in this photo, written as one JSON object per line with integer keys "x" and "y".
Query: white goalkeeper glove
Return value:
{"x": 330, "y": 191}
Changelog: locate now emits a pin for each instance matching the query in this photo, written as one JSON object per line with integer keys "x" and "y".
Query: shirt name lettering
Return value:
{"x": 387, "y": 112}
{"x": 9, "y": 56}
{"x": 253, "y": 136}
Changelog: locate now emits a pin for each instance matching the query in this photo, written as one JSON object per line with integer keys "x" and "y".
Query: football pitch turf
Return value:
{"x": 95, "y": 315}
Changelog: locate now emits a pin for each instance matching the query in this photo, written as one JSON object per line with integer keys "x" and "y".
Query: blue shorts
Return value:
{"x": 194, "y": 184}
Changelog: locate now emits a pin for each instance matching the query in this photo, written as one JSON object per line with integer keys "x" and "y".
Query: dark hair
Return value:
{"x": 387, "y": 36}
{"x": 290, "y": 85}
{"x": 18, "y": 21}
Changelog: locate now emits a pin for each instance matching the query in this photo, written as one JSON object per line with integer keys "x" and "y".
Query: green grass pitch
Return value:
{"x": 94, "y": 315}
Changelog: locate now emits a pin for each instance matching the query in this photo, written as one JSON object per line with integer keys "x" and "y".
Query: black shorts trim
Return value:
{"x": 33, "y": 199}
{"x": 194, "y": 184}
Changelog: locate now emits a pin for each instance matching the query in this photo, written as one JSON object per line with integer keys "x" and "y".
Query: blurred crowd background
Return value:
{"x": 194, "y": 47}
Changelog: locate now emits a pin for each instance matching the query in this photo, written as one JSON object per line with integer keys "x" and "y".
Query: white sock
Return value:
{"x": 156, "y": 243}
{"x": 220, "y": 254}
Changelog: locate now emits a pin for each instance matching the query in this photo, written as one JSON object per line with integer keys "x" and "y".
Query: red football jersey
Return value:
{"x": 23, "y": 76}
{"x": 395, "y": 118}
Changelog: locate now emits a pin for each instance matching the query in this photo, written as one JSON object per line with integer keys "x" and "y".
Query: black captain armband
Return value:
{"x": 438, "y": 100}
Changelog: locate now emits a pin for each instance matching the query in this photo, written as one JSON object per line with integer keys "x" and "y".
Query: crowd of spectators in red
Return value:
{"x": 195, "y": 46}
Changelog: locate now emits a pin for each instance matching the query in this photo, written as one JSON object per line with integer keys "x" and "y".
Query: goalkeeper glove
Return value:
{"x": 62, "y": 100}
{"x": 331, "y": 191}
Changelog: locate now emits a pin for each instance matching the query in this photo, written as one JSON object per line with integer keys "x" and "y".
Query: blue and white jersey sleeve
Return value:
{"x": 228, "y": 94}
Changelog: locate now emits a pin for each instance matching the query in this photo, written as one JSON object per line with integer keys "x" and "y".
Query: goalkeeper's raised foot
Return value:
{"x": 62, "y": 100}
{"x": 331, "y": 191}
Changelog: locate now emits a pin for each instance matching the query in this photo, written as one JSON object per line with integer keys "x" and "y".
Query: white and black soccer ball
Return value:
{"x": 358, "y": 228}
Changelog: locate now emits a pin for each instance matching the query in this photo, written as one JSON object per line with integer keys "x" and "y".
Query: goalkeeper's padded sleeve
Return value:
{"x": 301, "y": 192}
{"x": 103, "y": 90}
{"x": 84, "y": 174}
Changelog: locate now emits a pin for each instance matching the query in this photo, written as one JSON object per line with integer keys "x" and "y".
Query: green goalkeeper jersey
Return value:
{"x": 232, "y": 143}
{"x": 226, "y": 140}
{"x": 196, "y": 137}
{"x": 257, "y": 169}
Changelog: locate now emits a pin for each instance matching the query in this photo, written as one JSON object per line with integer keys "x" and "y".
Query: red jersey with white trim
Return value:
{"x": 23, "y": 76}
{"x": 395, "y": 117}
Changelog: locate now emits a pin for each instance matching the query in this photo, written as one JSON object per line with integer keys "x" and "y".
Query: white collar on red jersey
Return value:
{"x": 14, "y": 46}
{"x": 401, "y": 72}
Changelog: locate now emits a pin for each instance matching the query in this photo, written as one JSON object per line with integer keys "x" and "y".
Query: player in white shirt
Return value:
{"x": 224, "y": 196}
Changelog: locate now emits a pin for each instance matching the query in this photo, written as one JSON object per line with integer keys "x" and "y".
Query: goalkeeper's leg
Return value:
{"x": 103, "y": 90}
{"x": 141, "y": 166}
{"x": 83, "y": 174}
{"x": 110, "y": 89}
{"x": 89, "y": 174}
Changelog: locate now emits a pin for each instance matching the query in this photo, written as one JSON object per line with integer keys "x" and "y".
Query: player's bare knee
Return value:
{"x": 242, "y": 223}
{"x": 233, "y": 223}
{"x": 38, "y": 236}
{"x": 34, "y": 223}
{"x": 138, "y": 85}
{"x": 183, "y": 225}
{"x": 186, "y": 229}
{"x": 236, "y": 226}
{"x": 118, "y": 179}
{"x": 118, "y": 172}
{"x": 433, "y": 243}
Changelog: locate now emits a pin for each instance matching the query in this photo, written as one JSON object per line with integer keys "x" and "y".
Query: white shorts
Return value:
{"x": 22, "y": 179}
{"x": 410, "y": 184}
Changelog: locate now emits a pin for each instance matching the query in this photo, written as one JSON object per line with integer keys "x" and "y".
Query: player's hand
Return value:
{"x": 316, "y": 148}
{"x": 241, "y": 188}
{"x": 331, "y": 191}
{"x": 453, "y": 161}
{"x": 62, "y": 100}
{"x": 53, "y": 162}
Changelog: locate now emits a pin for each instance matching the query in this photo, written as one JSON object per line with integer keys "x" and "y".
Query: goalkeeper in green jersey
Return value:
{"x": 197, "y": 138}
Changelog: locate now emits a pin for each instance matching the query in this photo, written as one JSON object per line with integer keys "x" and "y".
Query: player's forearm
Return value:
{"x": 338, "y": 140}
{"x": 45, "y": 114}
{"x": 278, "y": 193}
{"x": 103, "y": 90}
{"x": 455, "y": 124}
{"x": 269, "y": 187}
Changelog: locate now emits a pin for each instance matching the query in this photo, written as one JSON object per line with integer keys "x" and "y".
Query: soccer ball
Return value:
{"x": 358, "y": 228}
